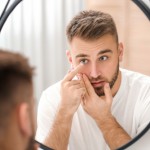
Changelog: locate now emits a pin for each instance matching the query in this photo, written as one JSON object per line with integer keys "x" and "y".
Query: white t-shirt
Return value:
{"x": 130, "y": 107}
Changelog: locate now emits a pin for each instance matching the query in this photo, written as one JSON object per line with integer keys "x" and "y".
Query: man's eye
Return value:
{"x": 103, "y": 58}
{"x": 84, "y": 61}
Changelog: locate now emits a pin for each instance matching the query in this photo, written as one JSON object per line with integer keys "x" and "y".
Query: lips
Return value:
{"x": 98, "y": 83}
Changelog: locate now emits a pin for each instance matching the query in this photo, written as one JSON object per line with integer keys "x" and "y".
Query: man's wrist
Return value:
{"x": 65, "y": 112}
{"x": 109, "y": 119}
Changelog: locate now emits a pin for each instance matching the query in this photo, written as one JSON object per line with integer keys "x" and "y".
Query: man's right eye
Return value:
{"x": 84, "y": 61}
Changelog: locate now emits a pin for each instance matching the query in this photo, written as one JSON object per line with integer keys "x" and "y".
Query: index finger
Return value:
{"x": 108, "y": 93}
{"x": 71, "y": 74}
{"x": 88, "y": 85}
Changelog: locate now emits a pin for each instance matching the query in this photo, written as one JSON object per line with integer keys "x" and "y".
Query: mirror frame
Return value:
{"x": 136, "y": 138}
{"x": 145, "y": 8}
{"x": 7, "y": 11}
{"x": 146, "y": 11}
{"x": 5, "y": 14}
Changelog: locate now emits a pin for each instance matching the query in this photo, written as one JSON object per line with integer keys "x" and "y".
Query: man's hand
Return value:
{"x": 72, "y": 91}
{"x": 98, "y": 108}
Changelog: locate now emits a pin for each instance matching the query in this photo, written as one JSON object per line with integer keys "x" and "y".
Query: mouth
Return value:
{"x": 98, "y": 84}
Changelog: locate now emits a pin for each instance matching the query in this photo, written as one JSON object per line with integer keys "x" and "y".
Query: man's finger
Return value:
{"x": 71, "y": 74}
{"x": 108, "y": 94}
{"x": 88, "y": 85}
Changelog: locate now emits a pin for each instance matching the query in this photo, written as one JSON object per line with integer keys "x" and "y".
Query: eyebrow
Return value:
{"x": 100, "y": 52}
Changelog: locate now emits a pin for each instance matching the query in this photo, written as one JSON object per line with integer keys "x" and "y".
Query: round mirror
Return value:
{"x": 141, "y": 140}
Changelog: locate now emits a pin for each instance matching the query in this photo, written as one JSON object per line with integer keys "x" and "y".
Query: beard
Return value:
{"x": 100, "y": 90}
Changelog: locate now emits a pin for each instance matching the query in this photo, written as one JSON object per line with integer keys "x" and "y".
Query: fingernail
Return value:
{"x": 79, "y": 76}
{"x": 107, "y": 85}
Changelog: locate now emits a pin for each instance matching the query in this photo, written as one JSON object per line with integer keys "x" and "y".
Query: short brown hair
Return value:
{"x": 91, "y": 25}
{"x": 15, "y": 81}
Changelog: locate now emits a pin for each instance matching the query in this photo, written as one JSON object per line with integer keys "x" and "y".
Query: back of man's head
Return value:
{"x": 15, "y": 89}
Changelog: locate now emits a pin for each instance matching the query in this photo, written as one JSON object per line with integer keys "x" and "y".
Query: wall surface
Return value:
{"x": 133, "y": 29}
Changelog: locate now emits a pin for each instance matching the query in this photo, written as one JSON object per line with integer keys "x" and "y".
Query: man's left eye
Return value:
{"x": 103, "y": 58}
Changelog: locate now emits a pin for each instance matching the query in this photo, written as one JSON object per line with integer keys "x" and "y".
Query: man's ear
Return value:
{"x": 24, "y": 118}
{"x": 120, "y": 49}
{"x": 69, "y": 56}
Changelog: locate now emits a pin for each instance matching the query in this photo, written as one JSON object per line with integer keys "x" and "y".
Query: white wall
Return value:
{"x": 36, "y": 28}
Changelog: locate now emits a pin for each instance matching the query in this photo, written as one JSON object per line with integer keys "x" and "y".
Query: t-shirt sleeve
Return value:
{"x": 46, "y": 112}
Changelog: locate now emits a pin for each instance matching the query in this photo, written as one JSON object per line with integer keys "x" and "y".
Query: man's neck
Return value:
{"x": 11, "y": 141}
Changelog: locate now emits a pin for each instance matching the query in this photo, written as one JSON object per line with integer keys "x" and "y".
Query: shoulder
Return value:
{"x": 51, "y": 95}
{"x": 53, "y": 89}
{"x": 47, "y": 108}
{"x": 135, "y": 77}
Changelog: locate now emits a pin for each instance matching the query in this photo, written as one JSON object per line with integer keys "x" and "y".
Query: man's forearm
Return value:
{"x": 114, "y": 134}
{"x": 58, "y": 136}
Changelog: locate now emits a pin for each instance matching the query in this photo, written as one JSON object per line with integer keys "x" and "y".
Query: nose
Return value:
{"x": 94, "y": 71}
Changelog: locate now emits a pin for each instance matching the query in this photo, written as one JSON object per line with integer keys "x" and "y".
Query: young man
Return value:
{"x": 97, "y": 106}
{"x": 16, "y": 103}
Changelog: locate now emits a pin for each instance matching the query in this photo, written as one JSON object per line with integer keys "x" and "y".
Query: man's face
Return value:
{"x": 100, "y": 58}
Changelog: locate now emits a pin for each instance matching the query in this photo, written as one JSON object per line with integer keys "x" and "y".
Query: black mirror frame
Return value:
{"x": 146, "y": 11}
{"x": 6, "y": 13}
{"x": 141, "y": 5}
{"x": 135, "y": 138}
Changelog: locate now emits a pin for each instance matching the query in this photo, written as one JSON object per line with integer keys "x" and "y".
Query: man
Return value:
{"x": 97, "y": 106}
{"x": 16, "y": 103}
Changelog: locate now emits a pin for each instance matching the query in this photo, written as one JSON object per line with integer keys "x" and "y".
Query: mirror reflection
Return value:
{"x": 109, "y": 104}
